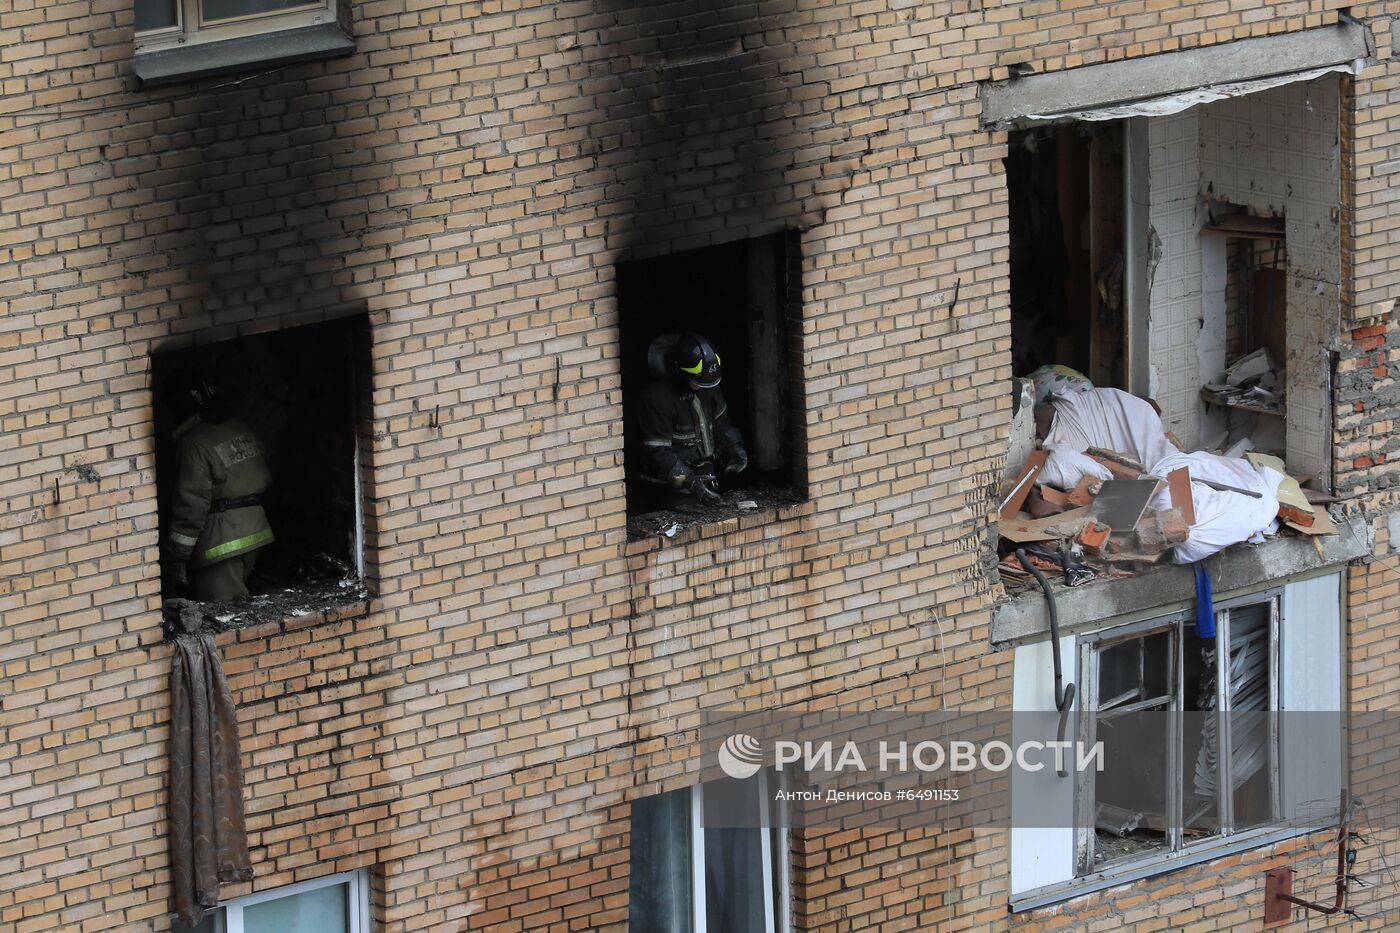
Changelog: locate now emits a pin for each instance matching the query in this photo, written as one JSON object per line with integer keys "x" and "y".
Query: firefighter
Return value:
{"x": 686, "y": 432}
{"x": 217, "y": 520}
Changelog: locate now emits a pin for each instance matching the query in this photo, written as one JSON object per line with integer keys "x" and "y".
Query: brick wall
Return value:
{"x": 469, "y": 178}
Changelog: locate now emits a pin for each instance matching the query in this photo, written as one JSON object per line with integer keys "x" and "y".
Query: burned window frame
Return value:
{"x": 763, "y": 328}
{"x": 353, "y": 334}
{"x": 1179, "y": 626}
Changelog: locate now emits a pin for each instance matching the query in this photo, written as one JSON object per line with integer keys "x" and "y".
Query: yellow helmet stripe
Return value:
{"x": 694, "y": 370}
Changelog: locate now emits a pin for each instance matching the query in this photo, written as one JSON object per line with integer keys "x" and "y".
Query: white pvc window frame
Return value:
{"x": 1176, "y": 624}
{"x": 229, "y": 918}
{"x": 192, "y": 29}
{"x": 777, "y": 901}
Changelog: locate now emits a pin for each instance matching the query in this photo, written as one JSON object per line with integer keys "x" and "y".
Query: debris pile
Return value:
{"x": 1109, "y": 490}
{"x": 325, "y": 584}
{"x": 1252, "y": 383}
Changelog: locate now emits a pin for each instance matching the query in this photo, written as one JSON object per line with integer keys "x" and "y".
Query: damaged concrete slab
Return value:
{"x": 1118, "y": 83}
{"x": 1169, "y": 588}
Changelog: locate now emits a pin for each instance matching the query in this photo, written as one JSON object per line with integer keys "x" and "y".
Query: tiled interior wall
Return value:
{"x": 1277, "y": 152}
{"x": 1175, "y": 282}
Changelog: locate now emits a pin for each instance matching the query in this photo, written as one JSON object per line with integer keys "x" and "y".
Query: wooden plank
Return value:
{"x": 1179, "y": 482}
{"x": 1011, "y": 506}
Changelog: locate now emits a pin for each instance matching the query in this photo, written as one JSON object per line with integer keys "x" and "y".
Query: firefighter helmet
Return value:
{"x": 694, "y": 360}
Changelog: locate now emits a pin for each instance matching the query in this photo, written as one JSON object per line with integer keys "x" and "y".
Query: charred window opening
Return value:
{"x": 744, "y": 299}
{"x": 258, "y": 451}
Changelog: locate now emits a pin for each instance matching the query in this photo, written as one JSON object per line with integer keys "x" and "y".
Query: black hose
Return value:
{"x": 1064, "y": 693}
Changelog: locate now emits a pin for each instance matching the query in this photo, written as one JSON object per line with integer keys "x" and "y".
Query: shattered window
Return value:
{"x": 710, "y": 360}
{"x": 1190, "y": 747}
{"x": 259, "y": 443}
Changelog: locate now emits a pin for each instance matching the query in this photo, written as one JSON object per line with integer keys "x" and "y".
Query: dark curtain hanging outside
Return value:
{"x": 208, "y": 842}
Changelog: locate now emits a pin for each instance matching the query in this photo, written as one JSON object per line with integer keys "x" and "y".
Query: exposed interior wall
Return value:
{"x": 1175, "y": 272}
{"x": 1277, "y": 152}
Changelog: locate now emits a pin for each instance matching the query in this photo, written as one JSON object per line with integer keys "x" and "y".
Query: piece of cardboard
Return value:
{"x": 1179, "y": 481}
{"x": 1050, "y": 528}
{"x": 1289, "y": 492}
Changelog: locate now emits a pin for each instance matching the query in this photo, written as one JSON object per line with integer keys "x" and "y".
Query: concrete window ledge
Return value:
{"x": 1169, "y": 588}
{"x": 201, "y": 60}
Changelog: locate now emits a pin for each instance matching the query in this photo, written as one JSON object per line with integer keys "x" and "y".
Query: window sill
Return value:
{"x": 284, "y": 611}
{"x": 1167, "y": 587}
{"x": 1160, "y": 865}
{"x": 201, "y": 60}
{"x": 742, "y": 521}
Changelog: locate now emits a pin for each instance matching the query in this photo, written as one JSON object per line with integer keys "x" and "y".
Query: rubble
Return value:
{"x": 329, "y": 584}
{"x": 1109, "y": 485}
{"x": 669, "y": 522}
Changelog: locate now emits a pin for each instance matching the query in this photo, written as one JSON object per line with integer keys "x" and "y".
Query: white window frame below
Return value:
{"x": 191, "y": 29}
{"x": 229, "y": 918}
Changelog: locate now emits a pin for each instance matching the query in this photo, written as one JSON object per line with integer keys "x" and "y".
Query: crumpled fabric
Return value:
{"x": 1051, "y": 381}
{"x": 1115, "y": 420}
{"x": 1222, "y": 518}
{"x": 208, "y": 841}
{"x": 1065, "y": 467}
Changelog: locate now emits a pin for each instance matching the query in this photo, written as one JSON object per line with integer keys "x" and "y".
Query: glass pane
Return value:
{"x": 322, "y": 910}
{"x": 1132, "y": 814}
{"x": 1134, "y": 670}
{"x": 227, "y": 9}
{"x": 154, "y": 14}
{"x": 735, "y": 894}
{"x": 1251, "y": 693}
{"x": 659, "y": 898}
{"x": 210, "y": 924}
{"x": 1200, "y": 739}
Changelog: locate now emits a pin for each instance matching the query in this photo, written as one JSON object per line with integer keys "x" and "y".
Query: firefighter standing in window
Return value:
{"x": 686, "y": 432}
{"x": 217, "y": 519}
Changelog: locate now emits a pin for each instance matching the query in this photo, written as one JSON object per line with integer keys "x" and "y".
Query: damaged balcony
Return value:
{"x": 1175, "y": 294}
{"x": 1112, "y": 539}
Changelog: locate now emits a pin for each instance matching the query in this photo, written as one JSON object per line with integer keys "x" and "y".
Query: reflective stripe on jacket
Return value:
{"x": 683, "y": 429}
{"x": 218, "y": 461}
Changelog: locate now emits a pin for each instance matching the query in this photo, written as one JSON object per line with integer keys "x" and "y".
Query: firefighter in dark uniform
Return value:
{"x": 688, "y": 439}
{"x": 217, "y": 520}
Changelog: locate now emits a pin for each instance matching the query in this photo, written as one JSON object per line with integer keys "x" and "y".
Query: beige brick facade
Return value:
{"x": 468, "y": 179}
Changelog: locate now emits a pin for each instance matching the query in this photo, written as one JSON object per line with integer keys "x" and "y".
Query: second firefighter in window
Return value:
{"x": 686, "y": 432}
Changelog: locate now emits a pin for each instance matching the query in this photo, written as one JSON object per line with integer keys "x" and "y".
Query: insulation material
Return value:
{"x": 1111, "y": 419}
{"x": 1170, "y": 104}
{"x": 1222, "y": 518}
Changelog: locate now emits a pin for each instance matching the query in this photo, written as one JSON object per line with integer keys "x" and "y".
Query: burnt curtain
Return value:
{"x": 208, "y": 843}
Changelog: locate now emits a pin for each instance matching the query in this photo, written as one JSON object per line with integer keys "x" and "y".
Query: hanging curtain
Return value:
{"x": 208, "y": 843}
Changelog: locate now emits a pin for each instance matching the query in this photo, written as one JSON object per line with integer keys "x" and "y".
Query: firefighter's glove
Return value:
{"x": 177, "y": 572}
{"x": 700, "y": 487}
{"x": 738, "y": 461}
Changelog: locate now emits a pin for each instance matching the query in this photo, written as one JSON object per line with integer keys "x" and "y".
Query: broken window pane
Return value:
{"x": 1132, "y": 804}
{"x": 1200, "y": 738}
{"x": 1252, "y": 769}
